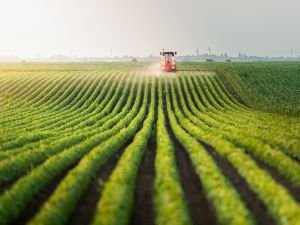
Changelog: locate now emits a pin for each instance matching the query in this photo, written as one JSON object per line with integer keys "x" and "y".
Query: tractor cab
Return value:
{"x": 168, "y": 61}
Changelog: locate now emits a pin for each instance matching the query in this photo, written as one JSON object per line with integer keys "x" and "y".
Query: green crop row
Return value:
{"x": 59, "y": 126}
{"x": 118, "y": 193}
{"x": 282, "y": 206}
{"x": 170, "y": 204}
{"x": 273, "y": 157}
{"x": 40, "y": 114}
{"x": 60, "y": 123}
{"x": 226, "y": 201}
{"x": 64, "y": 199}
{"x": 15, "y": 166}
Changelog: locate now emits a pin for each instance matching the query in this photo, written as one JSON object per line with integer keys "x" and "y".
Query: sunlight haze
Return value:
{"x": 138, "y": 27}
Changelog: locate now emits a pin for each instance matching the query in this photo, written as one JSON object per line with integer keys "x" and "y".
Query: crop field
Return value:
{"x": 117, "y": 143}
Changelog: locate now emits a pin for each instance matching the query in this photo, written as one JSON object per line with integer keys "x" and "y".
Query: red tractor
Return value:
{"x": 168, "y": 61}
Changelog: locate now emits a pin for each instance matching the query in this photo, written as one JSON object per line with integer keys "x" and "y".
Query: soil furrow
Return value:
{"x": 41, "y": 197}
{"x": 201, "y": 210}
{"x": 143, "y": 206}
{"x": 255, "y": 205}
{"x": 143, "y": 203}
{"x": 294, "y": 191}
{"x": 83, "y": 213}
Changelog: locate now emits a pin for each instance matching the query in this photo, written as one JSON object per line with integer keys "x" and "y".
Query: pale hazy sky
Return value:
{"x": 141, "y": 27}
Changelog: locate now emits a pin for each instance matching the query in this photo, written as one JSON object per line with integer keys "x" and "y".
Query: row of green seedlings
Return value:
{"x": 74, "y": 119}
{"x": 267, "y": 132}
{"x": 93, "y": 105}
{"x": 51, "y": 93}
{"x": 42, "y": 95}
{"x": 14, "y": 83}
{"x": 52, "y": 89}
{"x": 273, "y": 134}
{"x": 11, "y": 168}
{"x": 281, "y": 205}
{"x": 63, "y": 201}
{"x": 288, "y": 142}
{"x": 22, "y": 128}
{"x": 10, "y": 82}
{"x": 255, "y": 147}
{"x": 14, "y": 115}
{"x": 268, "y": 118}
{"x": 249, "y": 114}
{"x": 118, "y": 192}
{"x": 170, "y": 204}
{"x": 39, "y": 133}
{"x": 210, "y": 104}
{"x": 270, "y": 76}
{"x": 242, "y": 138}
{"x": 60, "y": 124}
{"x": 17, "y": 88}
{"x": 263, "y": 114}
{"x": 52, "y": 122}
{"x": 93, "y": 152}
{"x": 212, "y": 99}
{"x": 226, "y": 202}
{"x": 265, "y": 79}
{"x": 79, "y": 134}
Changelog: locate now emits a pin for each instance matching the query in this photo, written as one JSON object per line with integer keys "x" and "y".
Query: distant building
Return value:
{"x": 242, "y": 56}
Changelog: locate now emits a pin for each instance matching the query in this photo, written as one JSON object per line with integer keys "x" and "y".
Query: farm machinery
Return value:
{"x": 168, "y": 61}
